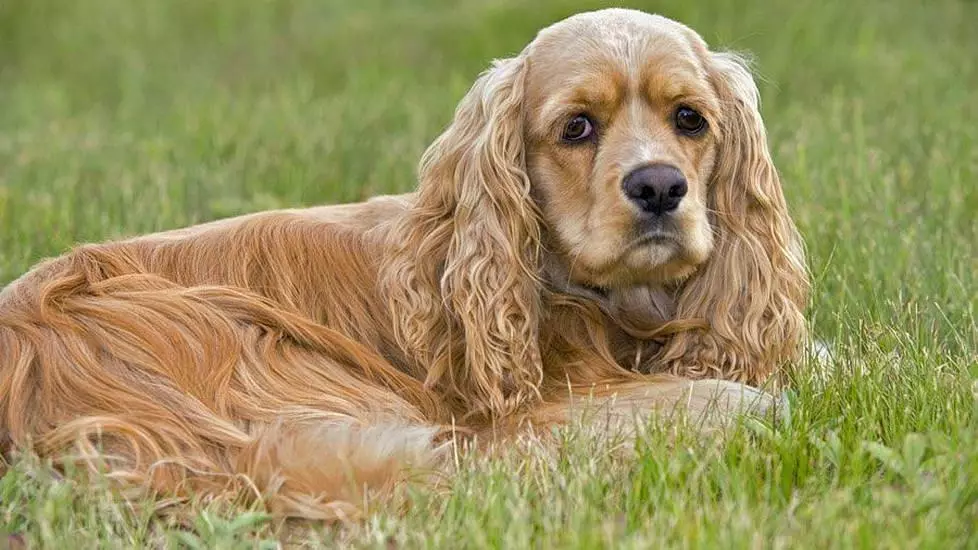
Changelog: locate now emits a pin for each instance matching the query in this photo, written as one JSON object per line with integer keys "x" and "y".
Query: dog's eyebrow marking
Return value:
{"x": 670, "y": 80}
{"x": 589, "y": 96}
{"x": 597, "y": 94}
{"x": 681, "y": 93}
{"x": 604, "y": 89}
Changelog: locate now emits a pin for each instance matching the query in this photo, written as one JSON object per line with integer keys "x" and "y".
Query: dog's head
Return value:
{"x": 615, "y": 152}
{"x": 623, "y": 123}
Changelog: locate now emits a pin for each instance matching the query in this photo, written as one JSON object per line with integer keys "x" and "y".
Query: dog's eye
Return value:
{"x": 578, "y": 129}
{"x": 689, "y": 121}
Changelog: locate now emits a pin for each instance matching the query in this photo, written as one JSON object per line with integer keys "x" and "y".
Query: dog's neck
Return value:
{"x": 636, "y": 306}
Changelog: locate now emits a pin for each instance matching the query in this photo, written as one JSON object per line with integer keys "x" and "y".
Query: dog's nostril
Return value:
{"x": 678, "y": 190}
{"x": 655, "y": 188}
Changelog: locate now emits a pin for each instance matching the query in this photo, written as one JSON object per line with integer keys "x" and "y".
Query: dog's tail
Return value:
{"x": 202, "y": 391}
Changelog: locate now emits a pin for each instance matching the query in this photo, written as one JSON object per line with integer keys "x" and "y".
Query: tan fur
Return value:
{"x": 309, "y": 355}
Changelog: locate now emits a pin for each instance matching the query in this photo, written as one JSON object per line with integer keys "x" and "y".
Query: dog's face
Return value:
{"x": 620, "y": 146}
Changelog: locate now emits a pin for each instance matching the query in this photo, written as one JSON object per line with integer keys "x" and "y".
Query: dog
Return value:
{"x": 600, "y": 225}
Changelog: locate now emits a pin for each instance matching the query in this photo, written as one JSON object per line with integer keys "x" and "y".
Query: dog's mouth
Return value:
{"x": 655, "y": 232}
{"x": 657, "y": 238}
{"x": 639, "y": 262}
{"x": 661, "y": 239}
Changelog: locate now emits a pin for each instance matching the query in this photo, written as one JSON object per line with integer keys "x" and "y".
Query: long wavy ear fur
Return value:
{"x": 753, "y": 290}
{"x": 463, "y": 283}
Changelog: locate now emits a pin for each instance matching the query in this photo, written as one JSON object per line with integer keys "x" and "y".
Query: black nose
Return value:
{"x": 655, "y": 188}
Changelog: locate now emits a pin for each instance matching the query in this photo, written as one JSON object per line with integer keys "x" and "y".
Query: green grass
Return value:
{"x": 120, "y": 117}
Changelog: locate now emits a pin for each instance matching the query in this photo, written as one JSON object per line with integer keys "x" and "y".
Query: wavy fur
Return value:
{"x": 465, "y": 285}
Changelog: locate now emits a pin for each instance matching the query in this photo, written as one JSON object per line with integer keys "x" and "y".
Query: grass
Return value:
{"x": 121, "y": 117}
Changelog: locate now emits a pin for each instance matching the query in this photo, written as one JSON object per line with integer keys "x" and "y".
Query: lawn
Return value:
{"x": 120, "y": 117}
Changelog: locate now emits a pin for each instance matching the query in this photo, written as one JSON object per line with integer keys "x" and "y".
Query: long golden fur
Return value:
{"x": 317, "y": 352}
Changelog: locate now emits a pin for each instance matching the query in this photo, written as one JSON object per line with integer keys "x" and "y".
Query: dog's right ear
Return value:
{"x": 463, "y": 285}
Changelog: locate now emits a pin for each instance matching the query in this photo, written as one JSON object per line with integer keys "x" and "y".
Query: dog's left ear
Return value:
{"x": 464, "y": 285}
{"x": 753, "y": 289}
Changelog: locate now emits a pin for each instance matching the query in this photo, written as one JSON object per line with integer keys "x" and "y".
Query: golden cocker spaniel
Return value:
{"x": 600, "y": 223}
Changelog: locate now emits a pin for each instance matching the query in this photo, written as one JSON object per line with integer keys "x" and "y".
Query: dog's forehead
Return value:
{"x": 611, "y": 53}
{"x": 621, "y": 40}
{"x": 623, "y": 32}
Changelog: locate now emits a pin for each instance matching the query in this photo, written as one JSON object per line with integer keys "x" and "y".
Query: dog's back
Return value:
{"x": 190, "y": 360}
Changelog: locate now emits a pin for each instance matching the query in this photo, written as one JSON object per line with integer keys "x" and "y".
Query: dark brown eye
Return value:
{"x": 689, "y": 121}
{"x": 578, "y": 129}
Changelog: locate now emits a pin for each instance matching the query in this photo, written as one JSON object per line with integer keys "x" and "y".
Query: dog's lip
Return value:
{"x": 657, "y": 237}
